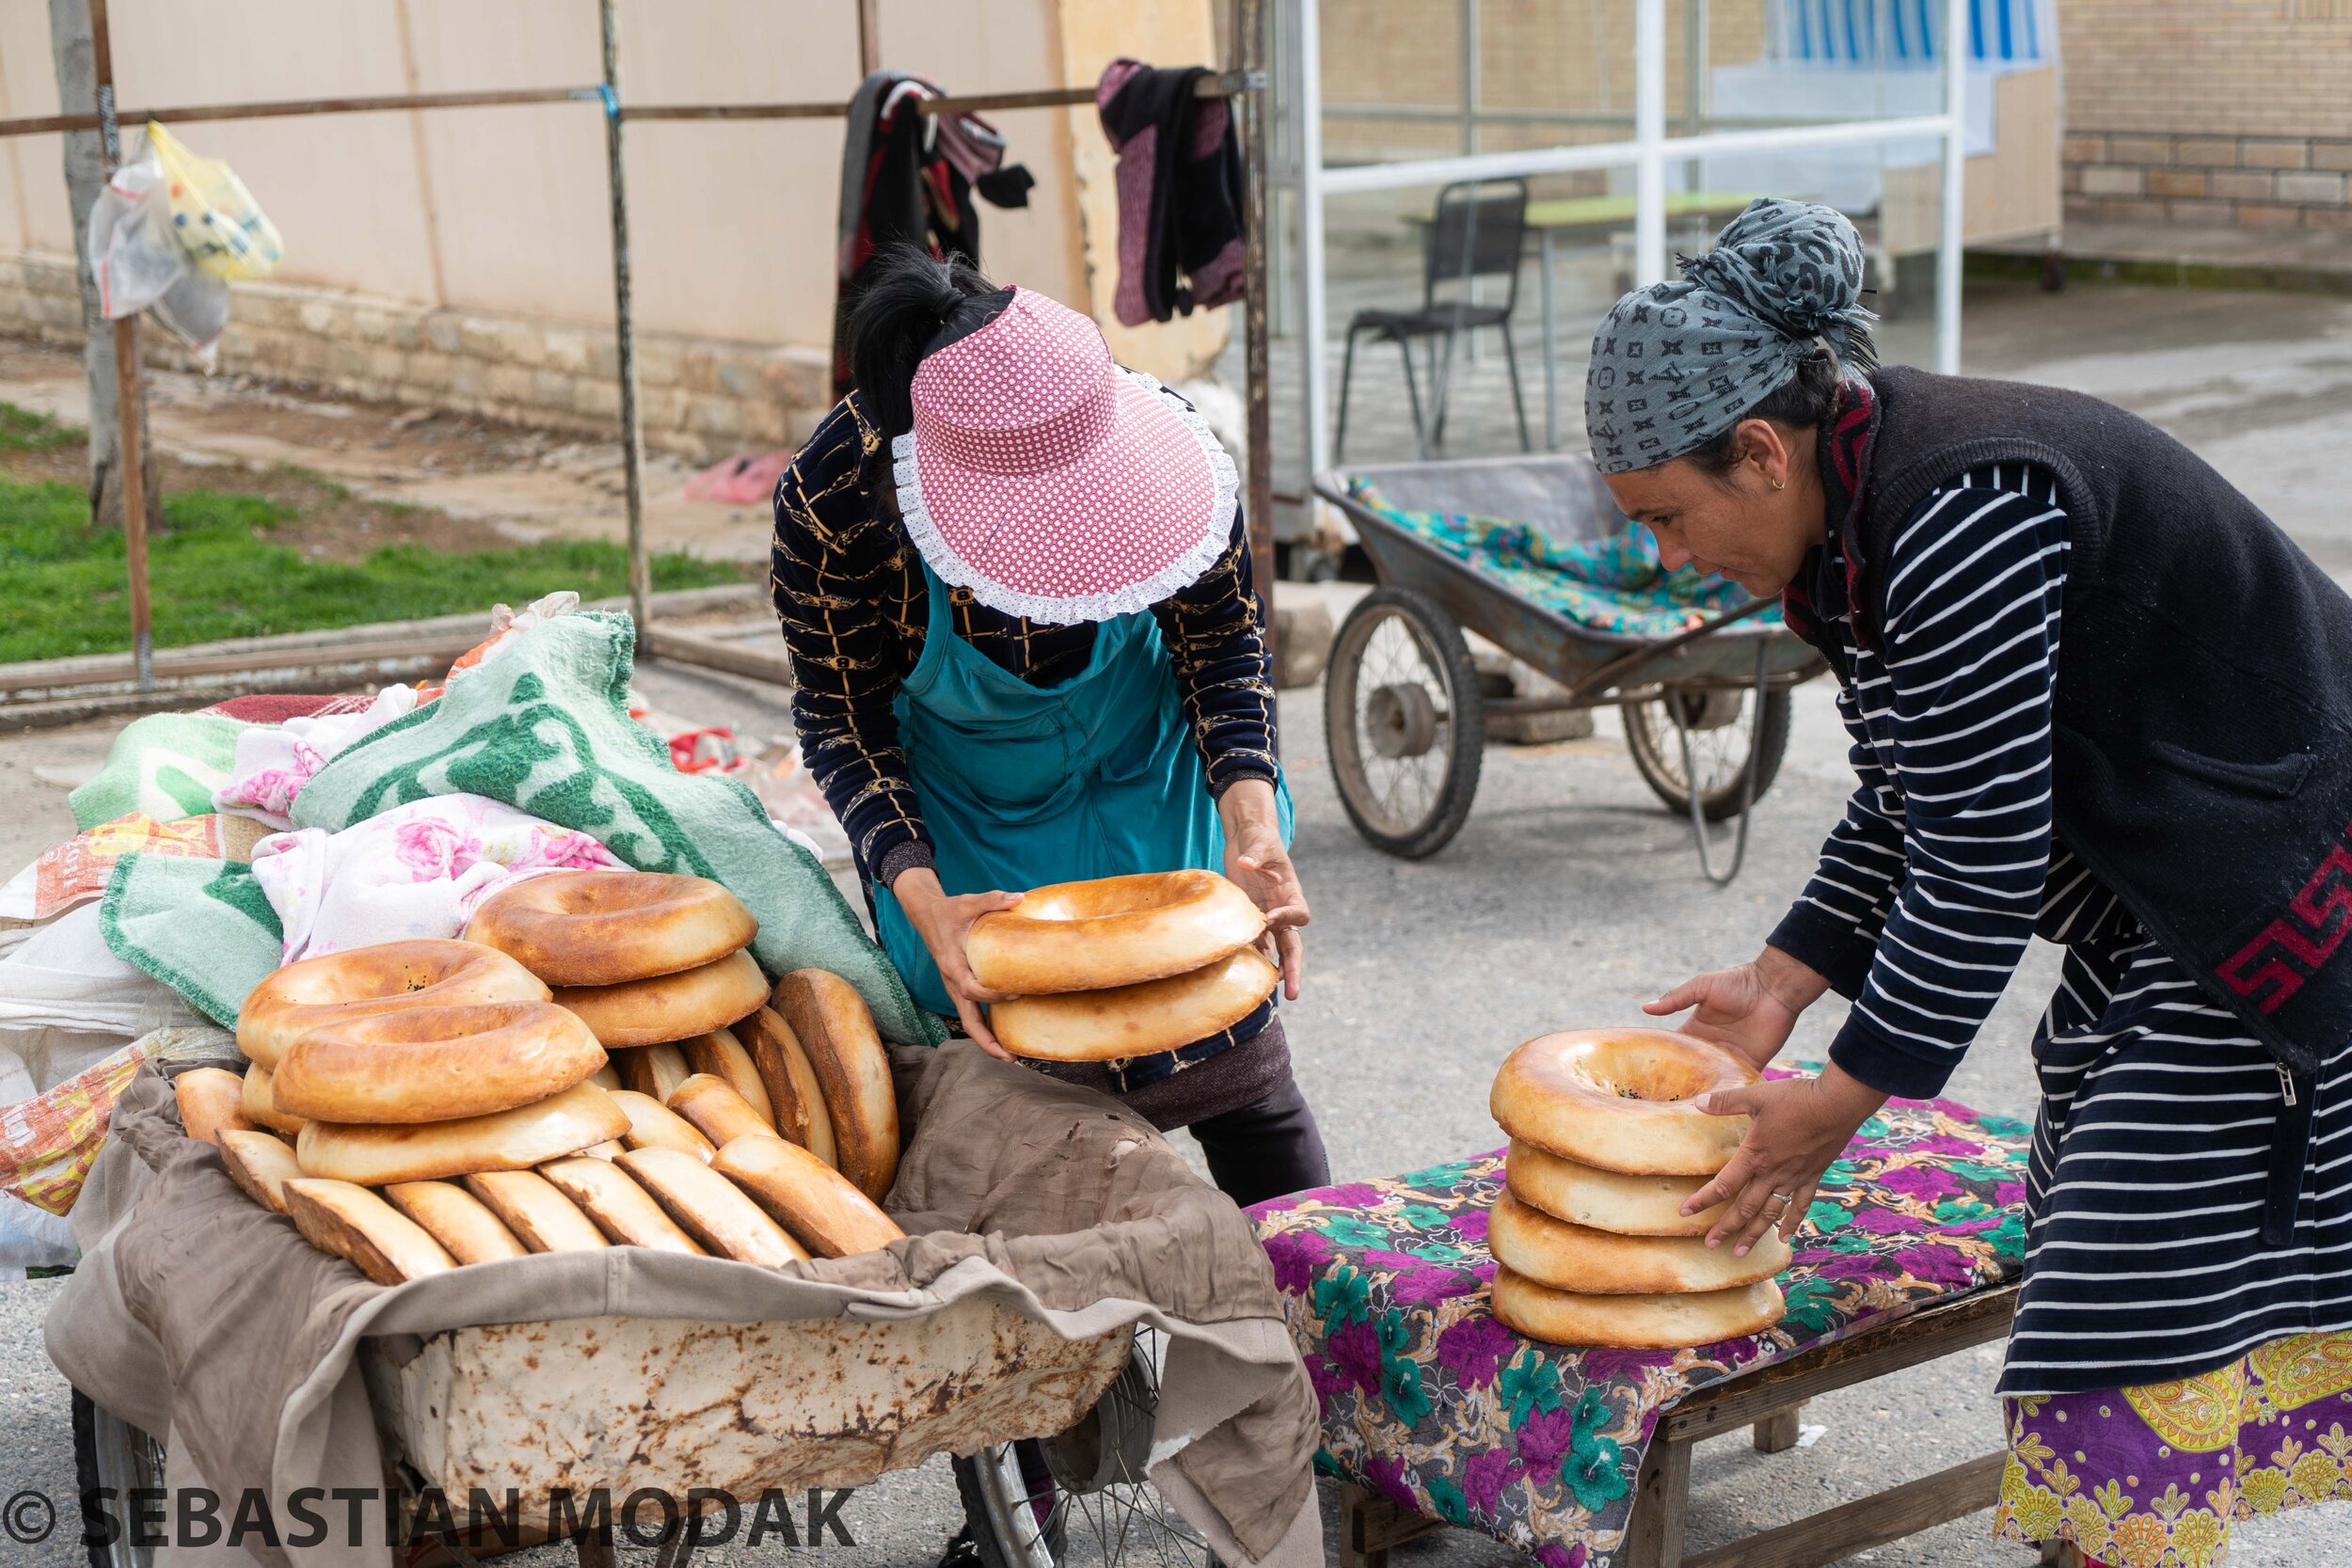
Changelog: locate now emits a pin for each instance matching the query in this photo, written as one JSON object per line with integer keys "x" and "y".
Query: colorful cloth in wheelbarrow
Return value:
{"x": 1614, "y": 583}
{"x": 1430, "y": 1403}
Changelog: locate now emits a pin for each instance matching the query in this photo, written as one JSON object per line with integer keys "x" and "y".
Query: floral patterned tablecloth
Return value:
{"x": 1431, "y": 1403}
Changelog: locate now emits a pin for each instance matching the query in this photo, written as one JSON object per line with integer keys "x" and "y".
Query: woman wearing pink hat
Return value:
{"x": 1013, "y": 581}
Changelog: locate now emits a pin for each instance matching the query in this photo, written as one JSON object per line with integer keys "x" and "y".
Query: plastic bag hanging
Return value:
{"x": 216, "y": 219}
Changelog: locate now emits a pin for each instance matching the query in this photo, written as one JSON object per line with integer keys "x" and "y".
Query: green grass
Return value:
{"x": 22, "y": 430}
{"x": 216, "y": 574}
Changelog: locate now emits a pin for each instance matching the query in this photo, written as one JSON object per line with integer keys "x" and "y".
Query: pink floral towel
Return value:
{"x": 419, "y": 870}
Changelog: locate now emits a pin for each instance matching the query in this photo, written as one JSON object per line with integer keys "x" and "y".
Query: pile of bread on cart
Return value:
{"x": 599, "y": 1061}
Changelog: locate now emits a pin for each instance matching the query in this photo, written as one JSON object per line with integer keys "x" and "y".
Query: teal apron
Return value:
{"x": 1024, "y": 785}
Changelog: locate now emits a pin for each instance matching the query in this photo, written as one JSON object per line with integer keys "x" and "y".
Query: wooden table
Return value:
{"x": 1768, "y": 1400}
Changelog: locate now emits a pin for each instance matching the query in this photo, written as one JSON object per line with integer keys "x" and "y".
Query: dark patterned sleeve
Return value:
{"x": 831, "y": 567}
{"x": 1214, "y": 632}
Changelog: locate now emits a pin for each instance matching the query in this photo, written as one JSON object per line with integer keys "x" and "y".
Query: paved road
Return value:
{"x": 1567, "y": 897}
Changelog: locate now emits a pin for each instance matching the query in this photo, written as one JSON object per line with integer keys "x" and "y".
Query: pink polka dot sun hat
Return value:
{"x": 1051, "y": 483}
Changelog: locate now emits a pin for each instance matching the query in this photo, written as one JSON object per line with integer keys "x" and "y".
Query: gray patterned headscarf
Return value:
{"x": 1675, "y": 365}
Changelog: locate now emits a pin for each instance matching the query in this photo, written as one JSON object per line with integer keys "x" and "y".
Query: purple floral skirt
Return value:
{"x": 2153, "y": 1476}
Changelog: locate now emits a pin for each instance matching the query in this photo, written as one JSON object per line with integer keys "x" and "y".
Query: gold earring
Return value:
{"x": 1780, "y": 484}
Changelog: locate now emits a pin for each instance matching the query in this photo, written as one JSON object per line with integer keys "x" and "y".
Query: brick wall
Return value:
{"x": 2271, "y": 181}
{"x": 2208, "y": 111}
{"x": 698, "y": 397}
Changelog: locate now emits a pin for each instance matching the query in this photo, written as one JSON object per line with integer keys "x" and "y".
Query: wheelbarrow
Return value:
{"x": 1406, "y": 709}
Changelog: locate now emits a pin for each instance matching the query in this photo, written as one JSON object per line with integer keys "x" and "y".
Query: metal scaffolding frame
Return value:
{"x": 1245, "y": 77}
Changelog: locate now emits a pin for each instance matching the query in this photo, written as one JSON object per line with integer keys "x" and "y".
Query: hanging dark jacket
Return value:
{"x": 908, "y": 178}
{"x": 1180, "y": 224}
{"x": 2201, "y": 735}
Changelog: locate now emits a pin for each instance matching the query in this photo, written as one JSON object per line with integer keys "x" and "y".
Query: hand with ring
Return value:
{"x": 1800, "y": 1125}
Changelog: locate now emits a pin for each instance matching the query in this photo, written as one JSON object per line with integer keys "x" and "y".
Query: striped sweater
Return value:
{"x": 1931, "y": 884}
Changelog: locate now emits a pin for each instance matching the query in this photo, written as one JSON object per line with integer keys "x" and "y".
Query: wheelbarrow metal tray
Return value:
{"x": 670, "y": 1403}
{"x": 1562, "y": 496}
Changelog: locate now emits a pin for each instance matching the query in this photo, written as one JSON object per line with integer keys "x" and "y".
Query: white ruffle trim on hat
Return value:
{"x": 1178, "y": 575}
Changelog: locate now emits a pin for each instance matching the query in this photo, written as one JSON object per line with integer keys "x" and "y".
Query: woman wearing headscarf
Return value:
{"x": 2096, "y": 696}
{"x": 1014, "y": 583}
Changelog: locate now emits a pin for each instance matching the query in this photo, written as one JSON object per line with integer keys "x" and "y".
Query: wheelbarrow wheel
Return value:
{"x": 1729, "y": 738}
{"x": 1404, "y": 722}
{"x": 111, "y": 1453}
{"x": 1082, "y": 1499}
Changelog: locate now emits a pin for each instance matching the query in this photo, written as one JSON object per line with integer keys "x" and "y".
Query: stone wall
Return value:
{"x": 700, "y": 397}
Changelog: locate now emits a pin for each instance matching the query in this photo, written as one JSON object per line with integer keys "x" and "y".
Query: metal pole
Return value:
{"x": 632, "y": 437}
{"x": 128, "y": 391}
{"x": 868, "y": 36}
{"x": 1695, "y": 29}
{"x": 1249, "y": 51}
{"x": 1951, "y": 235}
{"x": 1649, "y": 136}
{"x": 1311, "y": 257}
{"x": 1471, "y": 89}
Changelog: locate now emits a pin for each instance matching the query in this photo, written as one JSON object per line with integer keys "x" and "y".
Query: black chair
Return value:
{"x": 1476, "y": 232}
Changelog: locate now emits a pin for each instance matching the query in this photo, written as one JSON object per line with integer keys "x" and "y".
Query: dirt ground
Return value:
{"x": 448, "y": 480}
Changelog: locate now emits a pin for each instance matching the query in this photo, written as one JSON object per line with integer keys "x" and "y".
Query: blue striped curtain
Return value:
{"x": 1905, "y": 32}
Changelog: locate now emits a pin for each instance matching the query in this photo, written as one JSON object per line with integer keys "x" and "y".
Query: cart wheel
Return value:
{"x": 1404, "y": 722}
{"x": 1725, "y": 741}
{"x": 1081, "y": 1499}
{"x": 109, "y": 1451}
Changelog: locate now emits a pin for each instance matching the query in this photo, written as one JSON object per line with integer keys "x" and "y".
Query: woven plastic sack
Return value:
{"x": 213, "y": 217}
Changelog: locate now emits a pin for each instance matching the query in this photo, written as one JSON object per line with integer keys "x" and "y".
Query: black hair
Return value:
{"x": 1803, "y": 402}
{"x": 914, "y": 303}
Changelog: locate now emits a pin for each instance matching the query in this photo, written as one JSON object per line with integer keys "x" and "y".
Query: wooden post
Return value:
{"x": 85, "y": 171}
{"x": 128, "y": 391}
{"x": 632, "y": 434}
{"x": 1778, "y": 1432}
{"x": 1662, "y": 1496}
{"x": 1250, "y": 48}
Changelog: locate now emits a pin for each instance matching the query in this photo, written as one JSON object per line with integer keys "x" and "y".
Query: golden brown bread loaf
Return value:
{"x": 654, "y": 1125}
{"x": 531, "y": 1206}
{"x": 1598, "y": 1263}
{"x": 455, "y": 1218}
{"x": 623, "y": 1209}
{"x": 670, "y": 1007}
{"x": 721, "y": 1055}
{"x": 1633, "y": 1321}
{"x": 808, "y": 1197}
{"x": 1136, "y": 1020}
{"x": 710, "y": 1208}
{"x": 261, "y": 1108}
{"x": 794, "y": 1093}
{"x": 259, "y": 1163}
{"x": 606, "y": 1077}
{"x": 434, "y": 1063}
{"x": 654, "y": 1071}
{"x": 211, "y": 1100}
{"x": 1607, "y": 1199}
{"x": 291, "y": 1001}
{"x": 581, "y": 1117}
{"x": 830, "y": 1020}
{"x": 717, "y": 1112}
{"x": 1622, "y": 1099}
{"x": 1110, "y": 932}
{"x": 606, "y": 928}
{"x": 354, "y": 1225}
